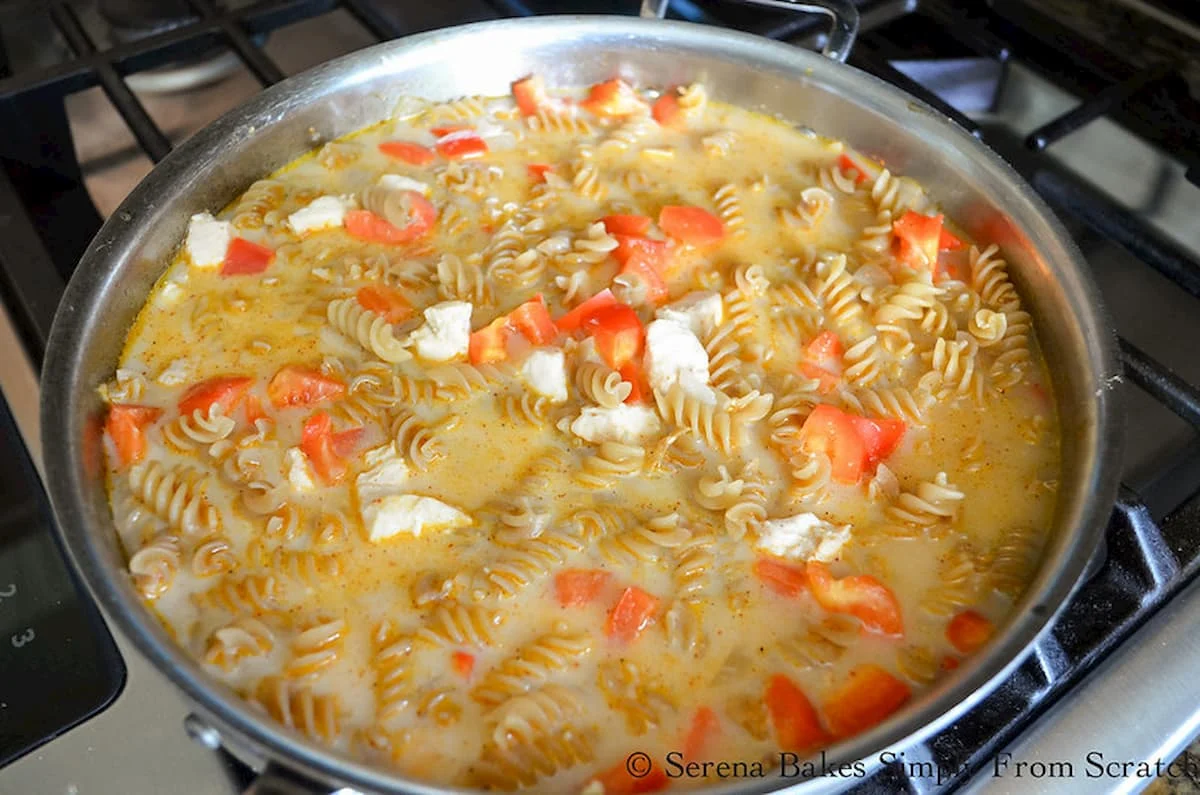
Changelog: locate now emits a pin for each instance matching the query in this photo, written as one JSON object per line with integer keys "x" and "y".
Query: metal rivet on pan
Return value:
{"x": 201, "y": 732}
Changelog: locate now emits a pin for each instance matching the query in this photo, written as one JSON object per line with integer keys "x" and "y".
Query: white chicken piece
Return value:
{"x": 804, "y": 536}
{"x": 390, "y": 515}
{"x": 446, "y": 334}
{"x": 207, "y": 240}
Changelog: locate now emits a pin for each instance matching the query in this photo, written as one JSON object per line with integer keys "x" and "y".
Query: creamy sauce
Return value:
{"x": 278, "y": 588}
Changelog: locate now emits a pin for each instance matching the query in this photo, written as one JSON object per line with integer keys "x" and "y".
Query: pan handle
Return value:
{"x": 274, "y": 780}
{"x": 843, "y": 14}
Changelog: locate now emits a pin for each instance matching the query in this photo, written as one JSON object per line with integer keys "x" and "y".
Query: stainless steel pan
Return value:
{"x": 976, "y": 188}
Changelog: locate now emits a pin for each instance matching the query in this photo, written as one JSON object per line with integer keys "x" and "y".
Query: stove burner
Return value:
{"x": 135, "y": 19}
{"x": 131, "y": 20}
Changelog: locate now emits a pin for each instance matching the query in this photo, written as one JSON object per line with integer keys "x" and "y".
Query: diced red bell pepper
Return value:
{"x": 244, "y": 258}
{"x": 861, "y": 596}
{"x": 881, "y": 436}
{"x": 917, "y": 239}
{"x": 226, "y": 392}
{"x": 655, "y": 252}
{"x": 366, "y": 225}
{"x": 632, "y": 613}
{"x": 853, "y": 443}
{"x": 850, "y": 168}
{"x": 490, "y": 343}
{"x": 461, "y": 145}
{"x": 346, "y": 442}
{"x": 618, "y": 334}
{"x": 538, "y": 171}
{"x": 869, "y": 695}
{"x": 530, "y": 95}
{"x": 693, "y": 225}
{"x": 640, "y": 266}
{"x": 613, "y": 98}
{"x": 126, "y": 426}
{"x": 666, "y": 110}
{"x": 325, "y": 451}
{"x": 302, "y": 386}
{"x": 384, "y": 300}
{"x": 781, "y": 578}
{"x": 831, "y": 431}
{"x": 627, "y": 224}
{"x": 449, "y": 129}
{"x": 254, "y": 409}
{"x": 575, "y": 587}
{"x": 701, "y": 733}
{"x": 409, "y": 152}
{"x": 632, "y": 374}
{"x": 968, "y": 631}
{"x": 952, "y": 265}
{"x": 463, "y": 663}
{"x": 574, "y": 319}
{"x": 533, "y": 320}
{"x": 794, "y": 718}
{"x": 948, "y": 241}
{"x": 823, "y": 360}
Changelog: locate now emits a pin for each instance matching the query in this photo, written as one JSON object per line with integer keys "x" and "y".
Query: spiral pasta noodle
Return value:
{"x": 461, "y": 280}
{"x": 532, "y": 666}
{"x": 155, "y": 566}
{"x": 243, "y": 640}
{"x": 253, "y": 594}
{"x": 645, "y": 543}
{"x": 213, "y": 557}
{"x": 534, "y": 737}
{"x": 957, "y": 584}
{"x": 395, "y": 673}
{"x": 989, "y": 278}
{"x": 461, "y": 625}
{"x": 820, "y": 644}
{"x": 298, "y": 708}
{"x": 815, "y": 204}
{"x": 751, "y": 509}
{"x": 932, "y": 502}
{"x": 367, "y": 329}
{"x": 642, "y": 706}
{"x": 518, "y": 568}
{"x": 610, "y": 462}
{"x": 601, "y": 384}
{"x": 175, "y": 495}
{"x": 200, "y": 428}
{"x": 684, "y": 628}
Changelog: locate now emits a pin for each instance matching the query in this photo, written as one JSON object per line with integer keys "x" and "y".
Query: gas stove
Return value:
{"x": 1096, "y": 102}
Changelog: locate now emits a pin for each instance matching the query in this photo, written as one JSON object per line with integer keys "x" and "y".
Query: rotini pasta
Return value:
{"x": 532, "y": 666}
{"x": 368, "y": 329}
{"x": 601, "y": 384}
{"x": 174, "y": 495}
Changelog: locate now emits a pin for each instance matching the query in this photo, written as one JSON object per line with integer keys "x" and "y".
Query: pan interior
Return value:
{"x": 972, "y": 185}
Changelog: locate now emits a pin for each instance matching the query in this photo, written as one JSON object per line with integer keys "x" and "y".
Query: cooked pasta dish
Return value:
{"x": 510, "y": 436}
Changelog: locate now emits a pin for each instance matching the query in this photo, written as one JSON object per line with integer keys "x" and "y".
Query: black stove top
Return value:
{"x": 57, "y": 664}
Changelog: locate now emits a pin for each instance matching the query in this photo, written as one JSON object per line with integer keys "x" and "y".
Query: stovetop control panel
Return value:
{"x": 58, "y": 664}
